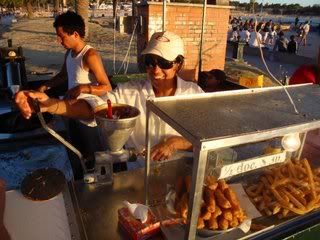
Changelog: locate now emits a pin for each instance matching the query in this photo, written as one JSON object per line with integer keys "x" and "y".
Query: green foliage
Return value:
{"x": 9, "y": 3}
{"x": 12, "y": 3}
{"x": 21, "y": 3}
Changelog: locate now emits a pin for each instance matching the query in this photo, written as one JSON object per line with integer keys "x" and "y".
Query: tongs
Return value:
{"x": 36, "y": 107}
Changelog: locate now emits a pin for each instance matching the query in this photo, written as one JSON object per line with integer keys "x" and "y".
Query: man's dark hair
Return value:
{"x": 213, "y": 75}
{"x": 70, "y": 23}
{"x": 292, "y": 37}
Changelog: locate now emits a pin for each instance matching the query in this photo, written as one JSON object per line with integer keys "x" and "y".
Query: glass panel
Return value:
{"x": 279, "y": 189}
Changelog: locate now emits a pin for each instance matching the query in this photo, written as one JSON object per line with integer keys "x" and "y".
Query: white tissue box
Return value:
{"x": 135, "y": 228}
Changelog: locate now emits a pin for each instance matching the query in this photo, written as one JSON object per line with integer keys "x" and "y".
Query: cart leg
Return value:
{"x": 195, "y": 197}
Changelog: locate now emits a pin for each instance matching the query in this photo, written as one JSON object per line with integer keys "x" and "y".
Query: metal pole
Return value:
{"x": 164, "y": 7}
{"x": 204, "y": 13}
{"x": 114, "y": 37}
{"x": 148, "y": 147}
{"x": 303, "y": 141}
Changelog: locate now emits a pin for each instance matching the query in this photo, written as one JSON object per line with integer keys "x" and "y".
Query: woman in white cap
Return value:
{"x": 163, "y": 58}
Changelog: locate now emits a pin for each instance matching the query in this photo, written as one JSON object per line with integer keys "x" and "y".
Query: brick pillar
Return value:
{"x": 185, "y": 20}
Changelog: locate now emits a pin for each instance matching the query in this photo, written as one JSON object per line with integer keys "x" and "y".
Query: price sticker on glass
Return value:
{"x": 251, "y": 164}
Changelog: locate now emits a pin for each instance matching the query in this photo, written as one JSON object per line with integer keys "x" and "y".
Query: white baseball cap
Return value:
{"x": 167, "y": 45}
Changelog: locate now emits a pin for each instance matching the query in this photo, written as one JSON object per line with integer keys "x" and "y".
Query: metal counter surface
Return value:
{"x": 99, "y": 204}
{"x": 98, "y": 207}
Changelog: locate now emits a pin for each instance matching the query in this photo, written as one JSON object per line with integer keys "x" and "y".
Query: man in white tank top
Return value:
{"x": 84, "y": 72}
{"x": 82, "y": 68}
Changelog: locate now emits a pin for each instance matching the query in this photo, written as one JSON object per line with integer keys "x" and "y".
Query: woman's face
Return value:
{"x": 159, "y": 70}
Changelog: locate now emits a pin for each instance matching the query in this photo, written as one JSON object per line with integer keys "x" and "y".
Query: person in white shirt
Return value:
{"x": 272, "y": 36}
{"x": 82, "y": 69}
{"x": 245, "y": 35}
{"x": 234, "y": 35}
{"x": 83, "y": 72}
{"x": 255, "y": 38}
{"x": 305, "y": 31}
{"x": 163, "y": 59}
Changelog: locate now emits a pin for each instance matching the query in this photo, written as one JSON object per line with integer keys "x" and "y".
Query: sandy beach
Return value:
{"x": 44, "y": 54}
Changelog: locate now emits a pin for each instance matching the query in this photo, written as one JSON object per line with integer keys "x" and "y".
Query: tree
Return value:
{"x": 134, "y": 9}
{"x": 28, "y": 4}
{"x": 114, "y": 3}
{"x": 55, "y": 8}
{"x": 82, "y": 8}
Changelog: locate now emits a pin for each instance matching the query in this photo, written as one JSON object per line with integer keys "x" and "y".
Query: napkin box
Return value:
{"x": 135, "y": 228}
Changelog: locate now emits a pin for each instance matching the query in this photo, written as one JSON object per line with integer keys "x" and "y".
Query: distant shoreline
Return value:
{"x": 315, "y": 20}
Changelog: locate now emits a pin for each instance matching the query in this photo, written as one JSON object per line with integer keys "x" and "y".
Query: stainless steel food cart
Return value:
{"x": 213, "y": 122}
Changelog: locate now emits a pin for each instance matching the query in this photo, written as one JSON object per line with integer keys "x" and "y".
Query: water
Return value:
{"x": 315, "y": 20}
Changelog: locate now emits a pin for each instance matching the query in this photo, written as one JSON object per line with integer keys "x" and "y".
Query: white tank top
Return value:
{"x": 76, "y": 73}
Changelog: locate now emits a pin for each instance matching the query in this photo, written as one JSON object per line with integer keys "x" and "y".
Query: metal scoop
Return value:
{"x": 88, "y": 177}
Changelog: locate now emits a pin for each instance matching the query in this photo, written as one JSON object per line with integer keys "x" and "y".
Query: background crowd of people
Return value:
{"x": 268, "y": 34}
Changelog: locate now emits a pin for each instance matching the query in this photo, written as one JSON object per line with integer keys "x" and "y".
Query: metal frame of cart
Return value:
{"x": 225, "y": 119}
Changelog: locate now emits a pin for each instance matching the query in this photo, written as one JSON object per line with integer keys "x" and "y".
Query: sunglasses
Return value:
{"x": 153, "y": 61}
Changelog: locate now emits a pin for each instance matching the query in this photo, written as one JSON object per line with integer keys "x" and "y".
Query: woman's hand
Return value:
{"x": 164, "y": 150}
{"x": 23, "y": 99}
{"x": 73, "y": 93}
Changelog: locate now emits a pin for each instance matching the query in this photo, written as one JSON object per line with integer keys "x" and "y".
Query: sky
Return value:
{"x": 302, "y": 3}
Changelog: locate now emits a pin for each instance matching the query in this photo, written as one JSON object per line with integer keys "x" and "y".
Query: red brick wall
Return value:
{"x": 186, "y": 21}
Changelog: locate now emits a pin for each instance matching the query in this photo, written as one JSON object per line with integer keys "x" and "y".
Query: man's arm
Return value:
{"x": 92, "y": 62}
{"x": 57, "y": 80}
{"x": 78, "y": 109}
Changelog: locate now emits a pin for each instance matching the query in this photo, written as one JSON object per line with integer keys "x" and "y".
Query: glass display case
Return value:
{"x": 254, "y": 171}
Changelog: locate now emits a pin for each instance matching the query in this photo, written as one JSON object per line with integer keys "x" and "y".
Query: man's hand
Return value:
{"x": 23, "y": 99}
{"x": 73, "y": 93}
{"x": 42, "y": 88}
